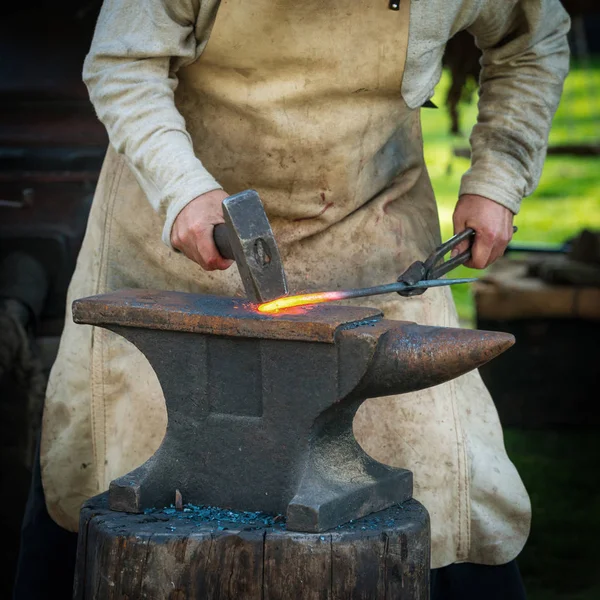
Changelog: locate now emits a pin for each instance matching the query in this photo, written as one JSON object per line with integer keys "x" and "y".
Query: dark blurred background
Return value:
{"x": 546, "y": 291}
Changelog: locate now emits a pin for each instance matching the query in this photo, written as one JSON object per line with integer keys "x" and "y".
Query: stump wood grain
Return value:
{"x": 171, "y": 556}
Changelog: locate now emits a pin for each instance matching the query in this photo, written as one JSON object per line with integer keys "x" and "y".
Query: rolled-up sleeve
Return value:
{"x": 525, "y": 61}
{"x": 130, "y": 73}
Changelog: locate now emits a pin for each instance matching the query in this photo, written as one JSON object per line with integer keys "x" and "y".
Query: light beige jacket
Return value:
{"x": 131, "y": 73}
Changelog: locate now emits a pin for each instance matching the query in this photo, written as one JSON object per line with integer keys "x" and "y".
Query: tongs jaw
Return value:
{"x": 432, "y": 268}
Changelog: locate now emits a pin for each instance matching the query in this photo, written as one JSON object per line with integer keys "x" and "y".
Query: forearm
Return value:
{"x": 524, "y": 64}
{"x": 130, "y": 74}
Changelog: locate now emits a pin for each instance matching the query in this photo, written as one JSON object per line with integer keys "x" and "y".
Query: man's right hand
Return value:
{"x": 192, "y": 231}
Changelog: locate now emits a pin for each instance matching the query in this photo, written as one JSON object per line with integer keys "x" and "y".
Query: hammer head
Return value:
{"x": 254, "y": 247}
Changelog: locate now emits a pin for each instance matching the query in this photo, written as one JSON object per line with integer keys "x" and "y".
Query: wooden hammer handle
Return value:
{"x": 222, "y": 241}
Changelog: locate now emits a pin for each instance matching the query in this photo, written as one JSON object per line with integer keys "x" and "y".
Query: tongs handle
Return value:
{"x": 435, "y": 272}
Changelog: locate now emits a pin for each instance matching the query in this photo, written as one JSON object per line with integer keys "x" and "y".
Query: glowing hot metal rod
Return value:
{"x": 318, "y": 297}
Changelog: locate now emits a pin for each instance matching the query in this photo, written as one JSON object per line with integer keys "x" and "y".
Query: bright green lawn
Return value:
{"x": 559, "y": 468}
{"x": 568, "y": 197}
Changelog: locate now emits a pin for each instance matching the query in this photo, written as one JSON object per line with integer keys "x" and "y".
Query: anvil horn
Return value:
{"x": 412, "y": 357}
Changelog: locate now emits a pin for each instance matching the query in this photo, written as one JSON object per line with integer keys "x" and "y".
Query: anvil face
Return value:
{"x": 260, "y": 407}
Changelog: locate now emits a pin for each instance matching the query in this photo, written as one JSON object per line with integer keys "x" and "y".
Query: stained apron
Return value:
{"x": 300, "y": 101}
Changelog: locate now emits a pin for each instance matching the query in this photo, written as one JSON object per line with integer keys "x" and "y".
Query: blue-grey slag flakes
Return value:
{"x": 364, "y": 323}
{"x": 225, "y": 519}
{"x": 375, "y": 521}
{"x": 221, "y": 517}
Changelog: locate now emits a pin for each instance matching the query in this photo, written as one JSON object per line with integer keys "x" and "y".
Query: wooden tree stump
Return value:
{"x": 212, "y": 554}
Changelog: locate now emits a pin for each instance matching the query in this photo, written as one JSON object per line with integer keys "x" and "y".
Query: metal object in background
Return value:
{"x": 247, "y": 238}
{"x": 537, "y": 248}
{"x": 50, "y": 231}
{"x": 27, "y": 196}
{"x": 576, "y": 262}
{"x": 24, "y": 280}
{"x": 260, "y": 407}
{"x": 23, "y": 290}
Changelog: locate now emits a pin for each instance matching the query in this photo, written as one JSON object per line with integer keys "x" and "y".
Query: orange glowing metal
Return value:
{"x": 300, "y": 300}
{"x": 317, "y": 297}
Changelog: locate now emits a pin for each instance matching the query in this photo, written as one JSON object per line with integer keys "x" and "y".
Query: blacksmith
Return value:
{"x": 316, "y": 105}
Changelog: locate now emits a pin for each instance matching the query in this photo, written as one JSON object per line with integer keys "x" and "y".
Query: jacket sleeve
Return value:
{"x": 525, "y": 61}
{"x": 130, "y": 73}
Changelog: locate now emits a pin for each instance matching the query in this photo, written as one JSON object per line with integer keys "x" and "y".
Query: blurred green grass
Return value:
{"x": 560, "y": 468}
{"x": 568, "y": 196}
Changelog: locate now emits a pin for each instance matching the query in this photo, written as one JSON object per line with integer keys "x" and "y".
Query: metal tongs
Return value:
{"x": 432, "y": 269}
{"x": 420, "y": 276}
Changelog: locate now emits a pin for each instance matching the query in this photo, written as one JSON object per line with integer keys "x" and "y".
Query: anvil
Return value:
{"x": 260, "y": 407}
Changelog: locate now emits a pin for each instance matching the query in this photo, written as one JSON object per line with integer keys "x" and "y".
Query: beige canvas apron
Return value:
{"x": 301, "y": 101}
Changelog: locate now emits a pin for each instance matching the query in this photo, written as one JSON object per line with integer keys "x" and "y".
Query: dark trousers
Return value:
{"x": 47, "y": 552}
{"x": 467, "y": 581}
{"x": 47, "y": 562}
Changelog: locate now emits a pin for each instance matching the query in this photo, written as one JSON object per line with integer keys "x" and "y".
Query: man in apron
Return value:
{"x": 315, "y": 104}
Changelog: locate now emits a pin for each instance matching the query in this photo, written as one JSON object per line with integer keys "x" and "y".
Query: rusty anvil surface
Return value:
{"x": 260, "y": 407}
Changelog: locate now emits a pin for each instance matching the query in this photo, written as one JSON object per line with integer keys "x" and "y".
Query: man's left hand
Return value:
{"x": 493, "y": 225}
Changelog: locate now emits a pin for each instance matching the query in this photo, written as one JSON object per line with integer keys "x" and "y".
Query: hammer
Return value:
{"x": 247, "y": 238}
